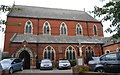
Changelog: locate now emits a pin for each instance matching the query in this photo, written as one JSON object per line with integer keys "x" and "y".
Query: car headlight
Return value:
{"x": 69, "y": 64}
{"x": 42, "y": 65}
{"x": 50, "y": 65}
{"x": 60, "y": 64}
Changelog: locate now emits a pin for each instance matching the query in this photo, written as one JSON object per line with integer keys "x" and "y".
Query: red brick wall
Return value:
{"x": 55, "y": 27}
{"x": 112, "y": 48}
{"x": 14, "y": 47}
{"x": 12, "y": 28}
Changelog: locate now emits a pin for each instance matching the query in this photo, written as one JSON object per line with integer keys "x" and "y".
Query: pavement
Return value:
{"x": 43, "y": 72}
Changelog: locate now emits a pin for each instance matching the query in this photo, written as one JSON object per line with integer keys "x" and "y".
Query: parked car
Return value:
{"x": 46, "y": 64}
{"x": 11, "y": 64}
{"x": 106, "y": 63}
{"x": 1, "y": 70}
{"x": 63, "y": 64}
{"x": 93, "y": 61}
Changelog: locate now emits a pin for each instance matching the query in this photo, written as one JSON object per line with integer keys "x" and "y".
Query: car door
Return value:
{"x": 16, "y": 64}
{"x": 118, "y": 55}
{"x": 111, "y": 62}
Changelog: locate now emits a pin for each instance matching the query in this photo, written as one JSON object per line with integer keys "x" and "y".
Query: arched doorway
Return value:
{"x": 25, "y": 56}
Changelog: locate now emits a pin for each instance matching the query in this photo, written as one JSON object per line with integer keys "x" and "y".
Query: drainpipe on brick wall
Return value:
{"x": 87, "y": 28}
{"x": 102, "y": 48}
{"x": 37, "y": 37}
{"x": 37, "y": 46}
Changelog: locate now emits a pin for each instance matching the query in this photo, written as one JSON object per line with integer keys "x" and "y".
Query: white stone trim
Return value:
{"x": 107, "y": 51}
{"x": 80, "y": 27}
{"x": 49, "y": 28}
{"x": 69, "y": 51}
{"x": 50, "y": 51}
{"x": 65, "y": 27}
{"x": 26, "y": 25}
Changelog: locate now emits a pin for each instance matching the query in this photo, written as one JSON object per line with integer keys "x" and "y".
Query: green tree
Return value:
{"x": 110, "y": 11}
{"x": 5, "y": 9}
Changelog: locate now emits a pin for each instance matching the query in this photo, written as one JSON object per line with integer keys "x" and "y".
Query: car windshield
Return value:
{"x": 45, "y": 61}
{"x": 63, "y": 61}
{"x": 5, "y": 61}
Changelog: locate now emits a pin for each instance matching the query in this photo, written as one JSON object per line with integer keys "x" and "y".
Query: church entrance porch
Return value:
{"x": 27, "y": 56}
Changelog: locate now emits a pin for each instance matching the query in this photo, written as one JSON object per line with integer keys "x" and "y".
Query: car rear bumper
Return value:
{"x": 64, "y": 67}
{"x": 45, "y": 68}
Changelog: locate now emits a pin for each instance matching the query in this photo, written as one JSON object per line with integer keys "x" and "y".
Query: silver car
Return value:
{"x": 92, "y": 63}
{"x": 106, "y": 63}
{"x": 64, "y": 64}
{"x": 11, "y": 64}
{"x": 46, "y": 64}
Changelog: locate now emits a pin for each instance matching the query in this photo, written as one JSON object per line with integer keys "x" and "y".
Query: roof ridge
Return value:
{"x": 50, "y": 13}
{"x": 51, "y": 8}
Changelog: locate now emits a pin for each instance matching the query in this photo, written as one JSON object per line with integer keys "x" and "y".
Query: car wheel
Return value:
{"x": 10, "y": 70}
{"x": 60, "y": 68}
{"x": 101, "y": 70}
{"x": 21, "y": 69}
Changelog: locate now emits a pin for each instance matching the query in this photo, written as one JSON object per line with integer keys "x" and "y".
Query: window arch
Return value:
{"x": 79, "y": 29}
{"x": 70, "y": 53}
{"x": 95, "y": 30}
{"x": 49, "y": 53}
{"x": 28, "y": 27}
{"x": 46, "y": 28}
{"x": 107, "y": 51}
{"x": 63, "y": 29}
{"x": 89, "y": 53}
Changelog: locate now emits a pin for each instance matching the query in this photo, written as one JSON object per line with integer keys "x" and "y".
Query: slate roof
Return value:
{"x": 30, "y": 38}
{"x": 49, "y": 13}
{"x": 109, "y": 41}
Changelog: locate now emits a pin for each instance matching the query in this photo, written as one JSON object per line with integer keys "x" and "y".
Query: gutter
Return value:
{"x": 12, "y": 38}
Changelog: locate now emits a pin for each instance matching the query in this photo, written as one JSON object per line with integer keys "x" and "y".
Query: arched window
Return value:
{"x": 63, "y": 29}
{"x": 89, "y": 54}
{"x": 49, "y": 53}
{"x": 78, "y": 29}
{"x": 70, "y": 53}
{"x": 28, "y": 27}
{"x": 46, "y": 28}
{"x": 95, "y": 30}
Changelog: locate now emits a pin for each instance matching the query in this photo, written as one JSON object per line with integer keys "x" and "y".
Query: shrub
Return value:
{"x": 5, "y": 55}
{"x": 72, "y": 62}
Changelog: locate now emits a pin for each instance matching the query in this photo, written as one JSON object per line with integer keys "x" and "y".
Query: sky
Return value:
{"x": 87, "y": 5}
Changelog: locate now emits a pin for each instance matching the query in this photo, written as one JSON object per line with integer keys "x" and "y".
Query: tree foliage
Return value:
{"x": 110, "y": 11}
{"x": 4, "y": 8}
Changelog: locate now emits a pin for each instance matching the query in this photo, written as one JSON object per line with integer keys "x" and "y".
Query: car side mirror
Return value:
{"x": 13, "y": 62}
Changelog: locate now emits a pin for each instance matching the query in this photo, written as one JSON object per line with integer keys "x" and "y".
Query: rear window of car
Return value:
{"x": 45, "y": 61}
{"x": 95, "y": 58}
{"x": 63, "y": 61}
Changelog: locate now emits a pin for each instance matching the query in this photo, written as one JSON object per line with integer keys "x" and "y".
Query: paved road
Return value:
{"x": 43, "y": 72}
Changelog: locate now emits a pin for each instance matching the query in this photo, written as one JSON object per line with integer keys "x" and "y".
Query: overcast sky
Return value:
{"x": 88, "y": 5}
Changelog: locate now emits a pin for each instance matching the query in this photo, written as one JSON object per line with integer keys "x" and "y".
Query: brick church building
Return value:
{"x": 35, "y": 33}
